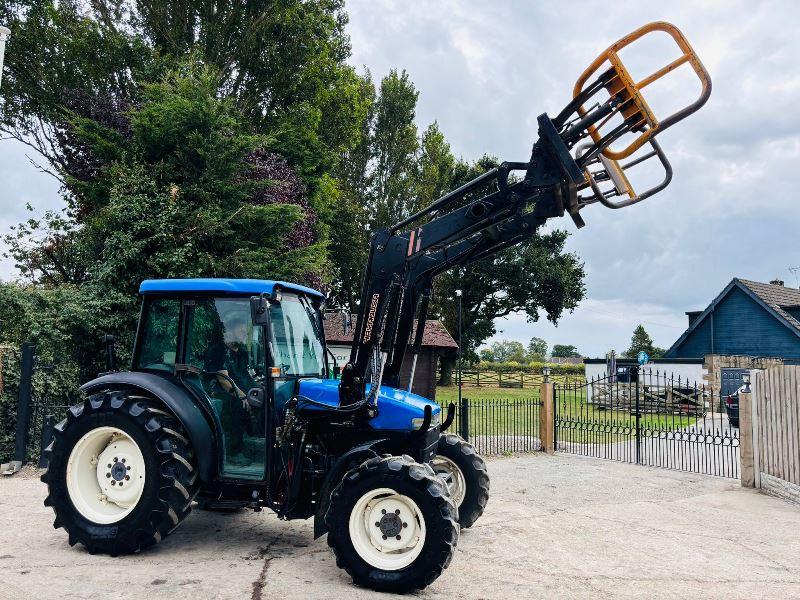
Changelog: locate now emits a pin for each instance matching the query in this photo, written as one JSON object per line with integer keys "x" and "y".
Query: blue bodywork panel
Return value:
{"x": 221, "y": 286}
{"x": 396, "y": 407}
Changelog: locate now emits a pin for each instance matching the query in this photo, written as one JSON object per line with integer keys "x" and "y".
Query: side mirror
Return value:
{"x": 259, "y": 310}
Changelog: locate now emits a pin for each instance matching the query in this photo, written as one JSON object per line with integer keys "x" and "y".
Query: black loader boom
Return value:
{"x": 575, "y": 162}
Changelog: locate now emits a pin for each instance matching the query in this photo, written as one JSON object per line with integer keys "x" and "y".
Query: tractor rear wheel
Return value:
{"x": 121, "y": 473}
{"x": 392, "y": 525}
{"x": 465, "y": 474}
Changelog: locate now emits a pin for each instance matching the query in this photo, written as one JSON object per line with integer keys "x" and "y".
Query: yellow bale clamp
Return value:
{"x": 636, "y": 111}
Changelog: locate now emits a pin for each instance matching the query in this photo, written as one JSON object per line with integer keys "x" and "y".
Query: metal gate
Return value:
{"x": 648, "y": 418}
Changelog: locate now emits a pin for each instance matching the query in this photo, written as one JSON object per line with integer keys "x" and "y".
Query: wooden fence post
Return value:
{"x": 546, "y": 423}
{"x": 746, "y": 447}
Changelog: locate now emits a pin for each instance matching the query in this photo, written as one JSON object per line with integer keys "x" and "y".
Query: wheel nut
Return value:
{"x": 116, "y": 459}
{"x": 127, "y": 477}
{"x": 405, "y": 524}
{"x": 128, "y": 467}
{"x": 398, "y": 538}
{"x": 113, "y": 482}
{"x": 383, "y": 511}
{"x": 377, "y": 524}
{"x": 123, "y": 460}
{"x": 109, "y": 465}
{"x": 384, "y": 537}
{"x": 108, "y": 475}
{"x": 397, "y": 511}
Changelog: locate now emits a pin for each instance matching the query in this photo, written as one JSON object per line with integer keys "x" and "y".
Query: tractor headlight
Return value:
{"x": 436, "y": 420}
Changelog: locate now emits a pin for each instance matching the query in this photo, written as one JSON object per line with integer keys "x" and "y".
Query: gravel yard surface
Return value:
{"x": 556, "y": 526}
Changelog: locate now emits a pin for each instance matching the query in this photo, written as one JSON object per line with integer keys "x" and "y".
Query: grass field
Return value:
{"x": 445, "y": 395}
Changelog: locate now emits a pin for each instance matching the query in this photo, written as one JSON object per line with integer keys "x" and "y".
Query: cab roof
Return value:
{"x": 221, "y": 286}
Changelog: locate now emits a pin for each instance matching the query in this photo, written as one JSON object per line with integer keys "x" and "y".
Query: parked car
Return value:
{"x": 732, "y": 407}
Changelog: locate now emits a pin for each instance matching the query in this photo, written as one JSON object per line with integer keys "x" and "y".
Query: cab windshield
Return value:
{"x": 296, "y": 337}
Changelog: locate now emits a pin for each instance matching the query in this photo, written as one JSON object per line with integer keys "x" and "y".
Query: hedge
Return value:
{"x": 531, "y": 367}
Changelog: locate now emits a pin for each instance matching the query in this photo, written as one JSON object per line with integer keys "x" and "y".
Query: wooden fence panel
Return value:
{"x": 512, "y": 379}
{"x": 778, "y": 426}
{"x": 787, "y": 409}
{"x": 794, "y": 426}
{"x": 783, "y": 424}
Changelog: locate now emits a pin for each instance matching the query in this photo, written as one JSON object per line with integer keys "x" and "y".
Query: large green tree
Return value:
{"x": 282, "y": 62}
{"x": 395, "y": 144}
{"x": 504, "y": 351}
{"x": 537, "y": 349}
{"x": 642, "y": 342}
{"x": 434, "y": 168}
{"x": 350, "y": 212}
{"x": 187, "y": 191}
{"x": 390, "y": 173}
{"x": 565, "y": 351}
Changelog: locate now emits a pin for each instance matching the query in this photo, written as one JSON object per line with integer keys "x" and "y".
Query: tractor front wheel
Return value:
{"x": 465, "y": 474}
{"x": 392, "y": 525}
{"x": 121, "y": 473}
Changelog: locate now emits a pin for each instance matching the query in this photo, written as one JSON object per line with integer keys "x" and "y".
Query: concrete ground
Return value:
{"x": 556, "y": 526}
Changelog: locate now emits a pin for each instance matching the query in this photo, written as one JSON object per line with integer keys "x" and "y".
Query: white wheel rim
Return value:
{"x": 105, "y": 475}
{"x": 387, "y": 529}
{"x": 453, "y": 478}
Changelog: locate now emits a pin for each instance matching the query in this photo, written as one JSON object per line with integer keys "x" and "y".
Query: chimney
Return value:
{"x": 778, "y": 282}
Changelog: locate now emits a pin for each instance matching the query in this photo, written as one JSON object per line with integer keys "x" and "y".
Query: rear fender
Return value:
{"x": 182, "y": 404}
{"x": 348, "y": 460}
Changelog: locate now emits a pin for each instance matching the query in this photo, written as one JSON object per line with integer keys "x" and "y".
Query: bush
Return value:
{"x": 54, "y": 384}
{"x": 66, "y": 325}
{"x": 9, "y": 388}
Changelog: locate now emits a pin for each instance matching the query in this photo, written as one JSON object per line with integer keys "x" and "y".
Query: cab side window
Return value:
{"x": 159, "y": 337}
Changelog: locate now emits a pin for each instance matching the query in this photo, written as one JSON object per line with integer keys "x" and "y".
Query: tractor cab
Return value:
{"x": 203, "y": 333}
{"x": 244, "y": 349}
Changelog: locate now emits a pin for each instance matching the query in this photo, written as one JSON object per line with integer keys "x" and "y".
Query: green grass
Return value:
{"x": 513, "y": 411}
{"x": 445, "y": 395}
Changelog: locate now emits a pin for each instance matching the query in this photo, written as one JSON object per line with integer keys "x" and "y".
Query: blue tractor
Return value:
{"x": 232, "y": 399}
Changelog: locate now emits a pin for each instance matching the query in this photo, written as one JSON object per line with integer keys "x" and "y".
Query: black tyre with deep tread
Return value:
{"x": 476, "y": 477}
{"x": 418, "y": 482}
{"x": 170, "y": 485}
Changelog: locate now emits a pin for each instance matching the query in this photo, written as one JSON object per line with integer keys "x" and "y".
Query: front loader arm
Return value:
{"x": 456, "y": 230}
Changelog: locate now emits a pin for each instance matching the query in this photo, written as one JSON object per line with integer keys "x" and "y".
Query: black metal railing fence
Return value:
{"x": 652, "y": 419}
{"x": 36, "y": 395}
{"x": 498, "y": 426}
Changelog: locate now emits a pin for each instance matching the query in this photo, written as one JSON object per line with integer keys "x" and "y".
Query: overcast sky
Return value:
{"x": 486, "y": 70}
